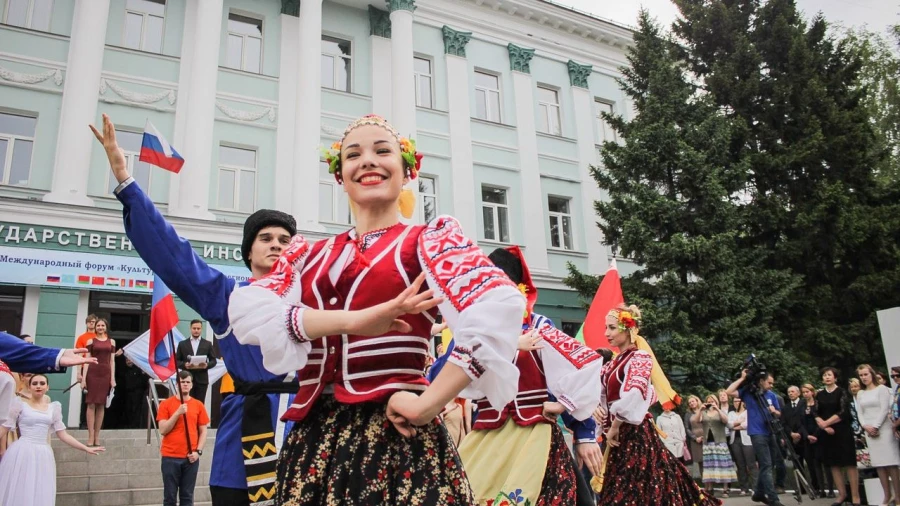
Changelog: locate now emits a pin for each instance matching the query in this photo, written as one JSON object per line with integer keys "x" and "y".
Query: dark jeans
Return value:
{"x": 179, "y": 477}
{"x": 766, "y": 450}
{"x": 224, "y": 496}
{"x": 199, "y": 391}
{"x": 780, "y": 468}
{"x": 745, "y": 462}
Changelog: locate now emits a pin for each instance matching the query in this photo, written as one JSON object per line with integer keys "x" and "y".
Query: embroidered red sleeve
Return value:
{"x": 638, "y": 375}
{"x": 461, "y": 270}
{"x": 286, "y": 270}
{"x": 576, "y": 353}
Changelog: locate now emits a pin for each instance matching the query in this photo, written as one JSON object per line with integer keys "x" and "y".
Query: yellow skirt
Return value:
{"x": 506, "y": 459}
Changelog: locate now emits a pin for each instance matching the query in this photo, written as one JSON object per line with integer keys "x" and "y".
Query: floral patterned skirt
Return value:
{"x": 642, "y": 472}
{"x": 350, "y": 454}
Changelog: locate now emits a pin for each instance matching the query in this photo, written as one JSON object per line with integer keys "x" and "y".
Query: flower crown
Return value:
{"x": 627, "y": 320}
{"x": 412, "y": 159}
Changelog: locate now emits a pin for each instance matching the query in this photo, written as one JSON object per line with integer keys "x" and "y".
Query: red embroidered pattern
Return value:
{"x": 638, "y": 375}
{"x": 576, "y": 353}
{"x": 465, "y": 355}
{"x": 5, "y": 368}
{"x": 282, "y": 277}
{"x": 460, "y": 268}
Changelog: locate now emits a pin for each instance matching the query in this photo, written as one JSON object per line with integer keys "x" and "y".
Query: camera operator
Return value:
{"x": 764, "y": 444}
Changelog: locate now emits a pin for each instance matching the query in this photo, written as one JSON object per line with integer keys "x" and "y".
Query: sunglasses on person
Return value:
{"x": 895, "y": 376}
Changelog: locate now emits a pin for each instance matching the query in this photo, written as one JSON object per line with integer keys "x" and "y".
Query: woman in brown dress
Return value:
{"x": 98, "y": 379}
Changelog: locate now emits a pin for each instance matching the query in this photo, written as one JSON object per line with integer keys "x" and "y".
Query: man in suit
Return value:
{"x": 792, "y": 418}
{"x": 196, "y": 346}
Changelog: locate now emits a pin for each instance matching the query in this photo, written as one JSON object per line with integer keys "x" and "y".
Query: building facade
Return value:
{"x": 503, "y": 97}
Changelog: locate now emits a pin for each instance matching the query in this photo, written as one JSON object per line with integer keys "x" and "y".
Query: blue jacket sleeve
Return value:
{"x": 26, "y": 357}
{"x": 201, "y": 287}
{"x": 584, "y": 431}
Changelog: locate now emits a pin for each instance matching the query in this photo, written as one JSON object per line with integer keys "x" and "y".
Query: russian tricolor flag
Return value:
{"x": 156, "y": 150}
{"x": 163, "y": 318}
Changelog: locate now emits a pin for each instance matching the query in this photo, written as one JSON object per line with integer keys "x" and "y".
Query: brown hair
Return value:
{"x": 104, "y": 320}
{"x": 872, "y": 372}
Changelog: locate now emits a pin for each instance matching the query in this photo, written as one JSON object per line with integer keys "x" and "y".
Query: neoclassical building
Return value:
{"x": 503, "y": 96}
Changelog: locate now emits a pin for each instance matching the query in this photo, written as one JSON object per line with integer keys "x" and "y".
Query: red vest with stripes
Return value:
{"x": 614, "y": 379}
{"x": 528, "y": 406}
{"x": 363, "y": 369}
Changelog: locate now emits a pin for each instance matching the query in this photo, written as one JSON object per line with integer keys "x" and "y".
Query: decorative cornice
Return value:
{"x": 246, "y": 116}
{"x": 330, "y": 130}
{"x": 578, "y": 74}
{"x": 290, "y": 7}
{"x": 455, "y": 41}
{"x": 402, "y": 5}
{"x": 520, "y": 58}
{"x": 379, "y": 22}
{"x": 135, "y": 97}
{"x": 22, "y": 78}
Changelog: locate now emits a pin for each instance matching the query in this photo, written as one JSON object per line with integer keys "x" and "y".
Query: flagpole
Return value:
{"x": 187, "y": 434}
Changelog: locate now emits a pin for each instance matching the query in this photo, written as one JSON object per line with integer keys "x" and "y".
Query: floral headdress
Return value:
{"x": 412, "y": 159}
{"x": 628, "y": 322}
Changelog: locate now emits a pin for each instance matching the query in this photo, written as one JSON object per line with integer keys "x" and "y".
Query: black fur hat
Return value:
{"x": 260, "y": 220}
{"x": 508, "y": 263}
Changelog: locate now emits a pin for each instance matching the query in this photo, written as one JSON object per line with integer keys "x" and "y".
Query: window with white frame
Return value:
{"x": 16, "y": 146}
{"x": 495, "y": 213}
{"x": 144, "y": 21}
{"x": 130, "y": 142}
{"x": 605, "y": 131}
{"x": 237, "y": 179}
{"x": 428, "y": 199}
{"x": 424, "y": 79}
{"x": 34, "y": 14}
{"x": 244, "y": 46}
{"x": 334, "y": 205}
{"x": 336, "y": 60}
{"x": 487, "y": 96}
{"x": 560, "y": 222}
{"x": 548, "y": 104}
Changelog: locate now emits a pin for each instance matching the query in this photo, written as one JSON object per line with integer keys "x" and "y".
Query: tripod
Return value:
{"x": 801, "y": 474}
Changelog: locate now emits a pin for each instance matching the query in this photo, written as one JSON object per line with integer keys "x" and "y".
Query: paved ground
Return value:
{"x": 786, "y": 499}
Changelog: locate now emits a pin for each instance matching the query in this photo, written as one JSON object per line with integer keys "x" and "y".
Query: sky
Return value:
{"x": 876, "y": 14}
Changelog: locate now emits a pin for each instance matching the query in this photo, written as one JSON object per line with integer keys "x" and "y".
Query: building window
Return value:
{"x": 487, "y": 96}
{"x": 424, "y": 78}
{"x": 428, "y": 200}
{"x": 495, "y": 212}
{"x": 336, "y": 63}
{"x": 244, "y": 50}
{"x": 130, "y": 142}
{"x": 605, "y": 131}
{"x": 237, "y": 179}
{"x": 144, "y": 24}
{"x": 16, "y": 144}
{"x": 548, "y": 118}
{"x": 560, "y": 223}
{"x": 34, "y": 14}
{"x": 12, "y": 307}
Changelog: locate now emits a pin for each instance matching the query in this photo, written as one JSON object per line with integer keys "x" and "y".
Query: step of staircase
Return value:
{"x": 127, "y": 473}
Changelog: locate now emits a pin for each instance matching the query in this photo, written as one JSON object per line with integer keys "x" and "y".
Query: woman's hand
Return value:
{"x": 812, "y": 439}
{"x": 112, "y": 383}
{"x": 699, "y": 440}
{"x": 384, "y": 317}
{"x": 406, "y": 412}
{"x": 829, "y": 431}
{"x": 94, "y": 450}
{"x": 529, "y": 341}
{"x": 599, "y": 415}
{"x": 552, "y": 410}
{"x": 612, "y": 436}
{"x": 114, "y": 153}
{"x": 437, "y": 328}
{"x": 821, "y": 423}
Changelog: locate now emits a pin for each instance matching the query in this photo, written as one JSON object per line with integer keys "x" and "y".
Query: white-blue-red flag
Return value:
{"x": 156, "y": 150}
{"x": 163, "y": 318}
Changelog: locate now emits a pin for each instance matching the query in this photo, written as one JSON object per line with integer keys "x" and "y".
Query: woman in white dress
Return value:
{"x": 27, "y": 468}
{"x": 874, "y": 405}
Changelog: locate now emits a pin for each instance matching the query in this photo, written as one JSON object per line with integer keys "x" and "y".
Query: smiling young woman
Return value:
{"x": 364, "y": 417}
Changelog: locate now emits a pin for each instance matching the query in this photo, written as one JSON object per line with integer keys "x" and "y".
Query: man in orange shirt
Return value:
{"x": 181, "y": 462}
{"x": 81, "y": 342}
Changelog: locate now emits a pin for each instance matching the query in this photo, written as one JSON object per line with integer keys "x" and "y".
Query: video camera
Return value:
{"x": 756, "y": 371}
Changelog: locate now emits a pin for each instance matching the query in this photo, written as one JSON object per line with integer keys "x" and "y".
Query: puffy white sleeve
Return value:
{"x": 482, "y": 308}
{"x": 268, "y": 312}
{"x": 15, "y": 409}
{"x": 572, "y": 371}
{"x": 56, "y": 422}
{"x": 637, "y": 394}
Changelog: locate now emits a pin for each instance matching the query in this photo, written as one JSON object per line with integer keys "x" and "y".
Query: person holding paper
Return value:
{"x": 196, "y": 355}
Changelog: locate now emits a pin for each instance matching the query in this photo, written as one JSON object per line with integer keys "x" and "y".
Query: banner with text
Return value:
{"x": 32, "y": 266}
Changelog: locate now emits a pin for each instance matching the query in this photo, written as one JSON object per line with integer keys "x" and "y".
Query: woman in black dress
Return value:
{"x": 812, "y": 449}
{"x": 838, "y": 448}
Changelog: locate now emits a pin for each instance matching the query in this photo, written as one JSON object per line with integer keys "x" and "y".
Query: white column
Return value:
{"x": 179, "y": 137}
{"x": 193, "y": 180}
{"x": 79, "y": 104}
{"x": 461, "y": 168}
{"x": 30, "y": 312}
{"x": 81, "y": 313}
{"x": 403, "y": 90}
{"x": 287, "y": 112}
{"x": 380, "y": 41}
{"x": 532, "y": 198}
{"x": 308, "y": 120}
{"x": 587, "y": 156}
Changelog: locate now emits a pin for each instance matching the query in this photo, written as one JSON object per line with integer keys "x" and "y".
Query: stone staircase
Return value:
{"x": 126, "y": 474}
